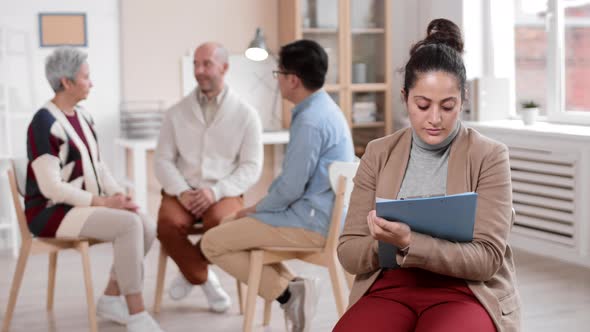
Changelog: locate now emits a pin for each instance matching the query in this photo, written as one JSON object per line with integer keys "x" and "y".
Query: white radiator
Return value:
{"x": 550, "y": 166}
{"x": 543, "y": 186}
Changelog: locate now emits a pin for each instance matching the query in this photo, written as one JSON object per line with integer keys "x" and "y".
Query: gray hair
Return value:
{"x": 64, "y": 62}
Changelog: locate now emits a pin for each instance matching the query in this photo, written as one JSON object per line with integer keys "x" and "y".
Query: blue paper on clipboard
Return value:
{"x": 449, "y": 217}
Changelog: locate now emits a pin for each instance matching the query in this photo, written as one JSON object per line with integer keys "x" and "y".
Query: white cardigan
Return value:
{"x": 225, "y": 156}
{"x": 52, "y": 173}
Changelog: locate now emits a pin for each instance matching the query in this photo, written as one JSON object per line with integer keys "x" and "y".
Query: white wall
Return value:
{"x": 156, "y": 34}
{"x": 431, "y": 9}
{"x": 406, "y": 31}
{"x": 28, "y": 87}
{"x": 470, "y": 16}
{"x": 473, "y": 19}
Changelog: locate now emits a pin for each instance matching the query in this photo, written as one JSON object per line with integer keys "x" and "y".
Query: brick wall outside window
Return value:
{"x": 531, "y": 62}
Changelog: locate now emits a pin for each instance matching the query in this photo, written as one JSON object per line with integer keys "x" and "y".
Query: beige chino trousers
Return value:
{"x": 132, "y": 235}
{"x": 228, "y": 246}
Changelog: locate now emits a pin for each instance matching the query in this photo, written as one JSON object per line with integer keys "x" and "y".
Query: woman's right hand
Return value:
{"x": 118, "y": 201}
{"x": 393, "y": 232}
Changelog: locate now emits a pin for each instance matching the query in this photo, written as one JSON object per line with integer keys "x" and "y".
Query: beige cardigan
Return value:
{"x": 225, "y": 155}
{"x": 477, "y": 164}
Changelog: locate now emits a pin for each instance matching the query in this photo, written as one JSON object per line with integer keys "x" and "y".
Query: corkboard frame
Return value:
{"x": 62, "y": 29}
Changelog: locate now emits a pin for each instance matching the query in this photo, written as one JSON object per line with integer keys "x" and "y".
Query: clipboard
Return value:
{"x": 449, "y": 217}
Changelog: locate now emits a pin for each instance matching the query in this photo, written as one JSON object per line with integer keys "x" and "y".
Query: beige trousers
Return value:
{"x": 228, "y": 246}
{"x": 132, "y": 235}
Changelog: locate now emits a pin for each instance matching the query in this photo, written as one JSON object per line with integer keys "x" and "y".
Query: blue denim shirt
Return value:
{"x": 301, "y": 196}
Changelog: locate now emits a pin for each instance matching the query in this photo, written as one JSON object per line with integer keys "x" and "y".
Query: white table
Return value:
{"x": 140, "y": 147}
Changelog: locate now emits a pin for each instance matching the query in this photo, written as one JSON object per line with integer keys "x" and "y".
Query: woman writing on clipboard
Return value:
{"x": 440, "y": 285}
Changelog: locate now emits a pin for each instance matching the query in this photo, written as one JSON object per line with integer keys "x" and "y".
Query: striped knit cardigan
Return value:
{"x": 62, "y": 175}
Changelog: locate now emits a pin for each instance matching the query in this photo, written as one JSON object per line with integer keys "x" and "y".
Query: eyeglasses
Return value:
{"x": 275, "y": 73}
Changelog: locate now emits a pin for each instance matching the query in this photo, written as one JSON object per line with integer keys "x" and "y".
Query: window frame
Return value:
{"x": 556, "y": 85}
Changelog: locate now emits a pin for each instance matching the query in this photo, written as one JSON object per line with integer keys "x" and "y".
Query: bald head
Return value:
{"x": 210, "y": 64}
{"x": 213, "y": 50}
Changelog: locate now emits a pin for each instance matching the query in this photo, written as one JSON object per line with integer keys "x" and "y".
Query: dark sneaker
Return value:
{"x": 300, "y": 308}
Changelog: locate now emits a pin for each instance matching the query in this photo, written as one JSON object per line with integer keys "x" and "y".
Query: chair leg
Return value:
{"x": 337, "y": 277}
{"x": 162, "y": 261}
{"x": 267, "y": 312}
{"x": 349, "y": 279}
{"x": 254, "y": 276}
{"x": 240, "y": 290}
{"x": 83, "y": 248}
{"x": 21, "y": 264}
{"x": 51, "y": 280}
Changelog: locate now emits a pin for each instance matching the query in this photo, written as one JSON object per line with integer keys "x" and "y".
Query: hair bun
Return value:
{"x": 441, "y": 31}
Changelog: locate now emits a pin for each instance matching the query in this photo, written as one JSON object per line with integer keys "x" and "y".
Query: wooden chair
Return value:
{"x": 32, "y": 245}
{"x": 341, "y": 174}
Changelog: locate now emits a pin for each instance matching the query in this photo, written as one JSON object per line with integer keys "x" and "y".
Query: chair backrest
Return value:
{"x": 17, "y": 175}
{"x": 19, "y": 166}
{"x": 348, "y": 169}
{"x": 341, "y": 174}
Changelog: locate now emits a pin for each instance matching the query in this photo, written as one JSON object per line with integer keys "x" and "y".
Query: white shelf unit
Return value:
{"x": 13, "y": 45}
{"x": 5, "y": 147}
{"x": 550, "y": 185}
{"x": 8, "y": 223}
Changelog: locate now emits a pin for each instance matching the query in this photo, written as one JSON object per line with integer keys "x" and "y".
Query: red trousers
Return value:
{"x": 174, "y": 223}
{"x": 416, "y": 300}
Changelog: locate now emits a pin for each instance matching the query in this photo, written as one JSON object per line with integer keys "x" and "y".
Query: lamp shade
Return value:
{"x": 257, "y": 50}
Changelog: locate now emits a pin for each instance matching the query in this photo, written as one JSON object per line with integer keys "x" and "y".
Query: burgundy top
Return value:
{"x": 75, "y": 122}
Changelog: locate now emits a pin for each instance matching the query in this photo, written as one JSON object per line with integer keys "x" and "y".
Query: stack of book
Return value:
{"x": 141, "y": 120}
{"x": 364, "y": 112}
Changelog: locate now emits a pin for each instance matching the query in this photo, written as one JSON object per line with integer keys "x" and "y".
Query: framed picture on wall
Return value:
{"x": 59, "y": 29}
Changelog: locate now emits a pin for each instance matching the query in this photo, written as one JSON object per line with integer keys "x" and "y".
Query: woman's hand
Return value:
{"x": 396, "y": 233}
{"x": 117, "y": 201}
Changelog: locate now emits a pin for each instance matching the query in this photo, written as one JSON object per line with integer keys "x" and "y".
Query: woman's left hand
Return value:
{"x": 130, "y": 204}
{"x": 393, "y": 232}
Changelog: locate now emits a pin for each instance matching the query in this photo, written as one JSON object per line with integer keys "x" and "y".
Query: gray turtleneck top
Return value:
{"x": 426, "y": 173}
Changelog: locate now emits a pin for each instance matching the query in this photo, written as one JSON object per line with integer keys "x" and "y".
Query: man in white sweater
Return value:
{"x": 209, "y": 153}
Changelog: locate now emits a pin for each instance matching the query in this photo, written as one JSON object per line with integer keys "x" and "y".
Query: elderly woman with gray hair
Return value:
{"x": 70, "y": 193}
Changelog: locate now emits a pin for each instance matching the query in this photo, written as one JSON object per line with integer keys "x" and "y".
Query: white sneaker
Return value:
{"x": 143, "y": 322}
{"x": 113, "y": 308}
{"x": 300, "y": 308}
{"x": 180, "y": 288}
{"x": 218, "y": 299}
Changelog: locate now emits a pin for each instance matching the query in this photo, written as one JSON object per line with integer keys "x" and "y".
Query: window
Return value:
{"x": 552, "y": 57}
{"x": 530, "y": 50}
{"x": 577, "y": 57}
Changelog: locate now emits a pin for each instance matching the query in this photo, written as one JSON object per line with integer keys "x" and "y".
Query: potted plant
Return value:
{"x": 529, "y": 112}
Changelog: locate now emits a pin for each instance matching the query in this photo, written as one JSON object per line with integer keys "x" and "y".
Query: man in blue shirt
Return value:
{"x": 297, "y": 209}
